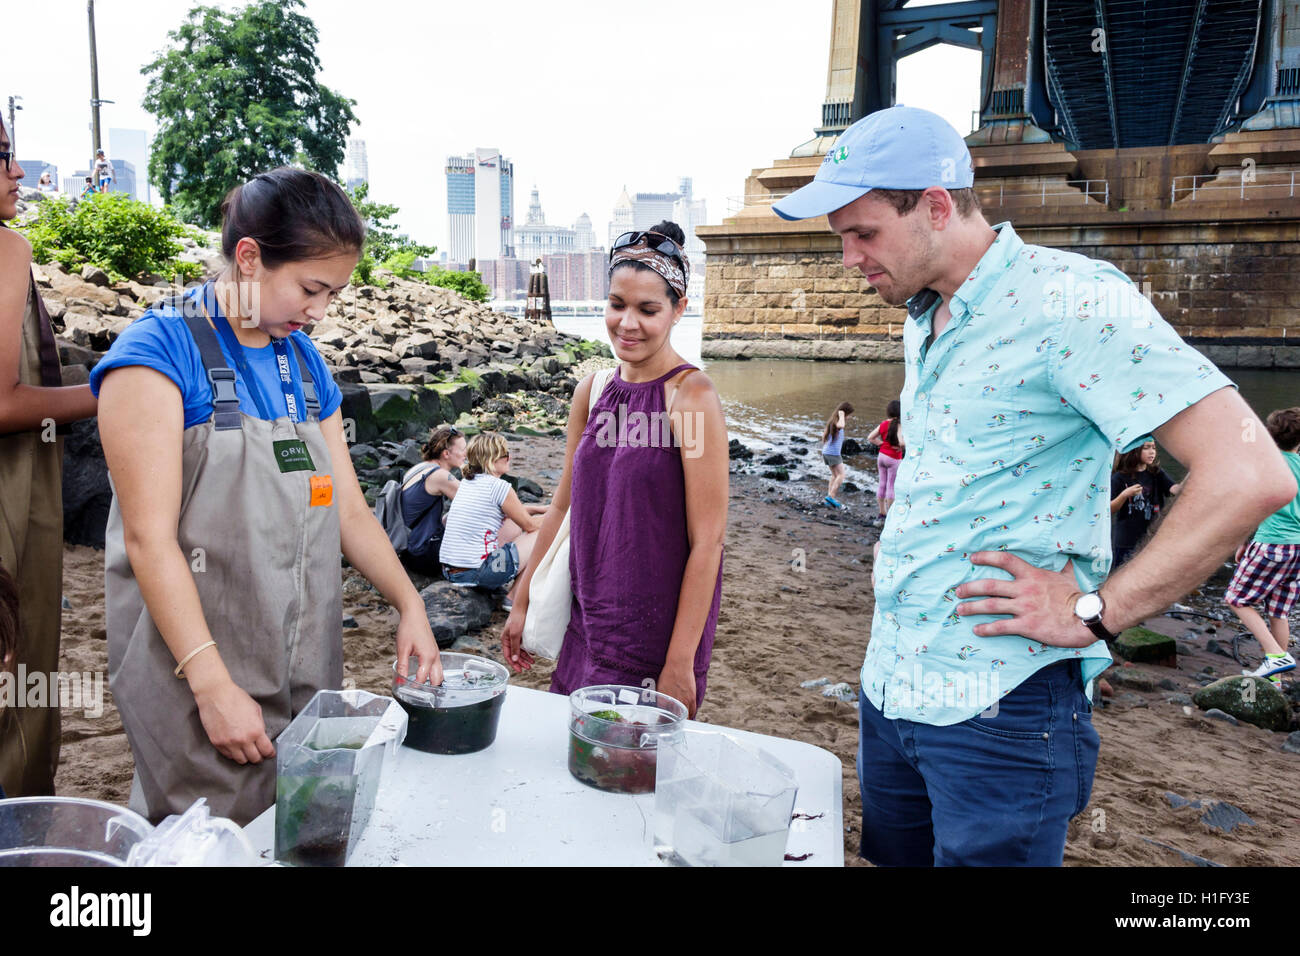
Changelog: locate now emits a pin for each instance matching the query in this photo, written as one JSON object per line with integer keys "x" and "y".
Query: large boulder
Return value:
{"x": 1252, "y": 700}
{"x": 356, "y": 408}
{"x": 454, "y": 611}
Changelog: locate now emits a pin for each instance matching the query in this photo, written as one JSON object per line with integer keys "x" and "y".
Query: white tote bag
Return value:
{"x": 550, "y": 593}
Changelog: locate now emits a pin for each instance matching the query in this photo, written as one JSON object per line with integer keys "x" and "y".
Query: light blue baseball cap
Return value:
{"x": 896, "y": 148}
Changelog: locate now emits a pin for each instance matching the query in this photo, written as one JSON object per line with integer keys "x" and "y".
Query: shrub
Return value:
{"x": 125, "y": 238}
{"x": 468, "y": 284}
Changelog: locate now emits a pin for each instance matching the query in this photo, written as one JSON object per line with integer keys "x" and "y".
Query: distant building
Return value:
{"x": 584, "y": 237}
{"x": 32, "y": 170}
{"x": 74, "y": 185}
{"x": 131, "y": 146}
{"x": 480, "y": 206}
{"x": 622, "y": 220}
{"x": 535, "y": 239}
{"x": 126, "y": 180}
{"x": 356, "y": 170}
{"x": 577, "y": 276}
{"x": 506, "y": 277}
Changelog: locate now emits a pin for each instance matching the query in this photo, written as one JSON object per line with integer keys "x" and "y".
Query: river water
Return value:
{"x": 770, "y": 401}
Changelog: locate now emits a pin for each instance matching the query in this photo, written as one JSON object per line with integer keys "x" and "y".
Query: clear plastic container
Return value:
{"x": 328, "y": 763}
{"x": 458, "y": 716}
{"x": 615, "y": 732}
{"x": 67, "y": 831}
{"x": 719, "y": 802}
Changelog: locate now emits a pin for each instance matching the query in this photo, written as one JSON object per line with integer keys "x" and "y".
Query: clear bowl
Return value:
{"x": 67, "y": 831}
{"x": 614, "y": 735}
{"x": 458, "y": 716}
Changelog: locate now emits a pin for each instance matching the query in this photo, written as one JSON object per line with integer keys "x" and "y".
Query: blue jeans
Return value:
{"x": 989, "y": 791}
{"x": 497, "y": 570}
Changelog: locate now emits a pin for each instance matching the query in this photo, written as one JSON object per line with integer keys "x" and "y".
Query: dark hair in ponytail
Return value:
{"x": 671, "y": 231}
{"x": 293, "y": 214}
{"x": 892, "y": 411}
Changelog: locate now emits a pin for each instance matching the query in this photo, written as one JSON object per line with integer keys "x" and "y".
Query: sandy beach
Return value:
{"x": 780, "y": 626}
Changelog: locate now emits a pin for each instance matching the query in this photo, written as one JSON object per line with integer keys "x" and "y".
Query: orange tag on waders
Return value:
{"x": 322, "y": 491}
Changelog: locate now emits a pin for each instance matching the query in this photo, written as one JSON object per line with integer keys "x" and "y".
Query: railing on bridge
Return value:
{"x": 1084, "y": 190}
{"x": 1247, "y": 179}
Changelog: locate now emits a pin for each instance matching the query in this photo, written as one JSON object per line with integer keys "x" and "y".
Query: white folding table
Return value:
{"x": 515, "y": 803}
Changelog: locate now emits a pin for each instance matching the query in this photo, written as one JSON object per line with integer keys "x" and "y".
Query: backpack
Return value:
{"x": 388, "y": 512}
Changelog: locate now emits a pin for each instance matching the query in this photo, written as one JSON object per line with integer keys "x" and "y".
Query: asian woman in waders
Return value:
{"x": 233, "y": 495}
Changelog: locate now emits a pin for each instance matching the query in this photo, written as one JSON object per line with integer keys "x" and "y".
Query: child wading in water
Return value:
{"x": 832, "y": 442}
{"x": 1268, "y": 566}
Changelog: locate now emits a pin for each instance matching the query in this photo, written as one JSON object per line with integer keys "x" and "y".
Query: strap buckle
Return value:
{"x": 223, "y": 386}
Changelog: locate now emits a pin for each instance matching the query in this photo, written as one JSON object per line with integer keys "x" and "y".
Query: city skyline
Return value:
{"x": 752, "y": 91}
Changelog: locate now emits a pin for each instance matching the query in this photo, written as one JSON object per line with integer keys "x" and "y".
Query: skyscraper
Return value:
{"x": 356, "y": 168}
{"x": 480, "y": 206}
{"x": 535, "y": 239}
{"x": 130, "y": 145}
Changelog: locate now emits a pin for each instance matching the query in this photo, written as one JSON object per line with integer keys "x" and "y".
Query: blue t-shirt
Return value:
{"x": 834, "y": 443}
{"x": 161, "y": 341}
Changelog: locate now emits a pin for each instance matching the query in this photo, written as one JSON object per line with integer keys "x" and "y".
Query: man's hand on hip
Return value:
{"x": 1040, "y": 603}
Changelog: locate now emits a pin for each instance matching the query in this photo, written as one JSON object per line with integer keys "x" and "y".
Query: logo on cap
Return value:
{"x": 841, "y": 154}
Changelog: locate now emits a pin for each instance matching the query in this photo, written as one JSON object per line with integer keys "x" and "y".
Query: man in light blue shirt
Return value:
{"x": 1027, "y": 369}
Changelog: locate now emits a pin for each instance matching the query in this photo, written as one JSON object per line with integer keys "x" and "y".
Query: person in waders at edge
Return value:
{"x": 233, "y": 495}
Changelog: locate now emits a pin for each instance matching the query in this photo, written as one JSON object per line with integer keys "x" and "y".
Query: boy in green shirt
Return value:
{"x": 1268, "y": 566}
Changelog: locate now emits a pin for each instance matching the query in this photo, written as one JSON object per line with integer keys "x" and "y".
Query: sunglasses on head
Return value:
{"x": 655, "y": 240}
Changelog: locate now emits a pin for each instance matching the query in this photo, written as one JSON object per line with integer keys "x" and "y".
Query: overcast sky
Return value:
{"x": 583, "y": 95}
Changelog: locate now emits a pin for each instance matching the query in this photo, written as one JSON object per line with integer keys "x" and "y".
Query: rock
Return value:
{"x": 850, "y": 447}
{"x": 798, "y": 451}
{"x": 777, "y": 459}
{"x": 1218, "y": 814}
{"x": 95, "y": 275}
{"x": 526, "y": 486}
{"x": 777, "y": 474}
{"x": 1214, "y": 647}
{"x": 349, "y": 622}
{"x": 1215, "y": 714}
{"x": 1140, "y": 645}
{"x": 86, "y": 492}
{"x": 736, "y": 450}
{"x": 362, "y": 450}
{"x": 1127, "y": 677}
{"x": 357, "y": 409}
{"x": 1131, "y": 700}
{"x": 455, "y": 611}
{"x": 1167, "y": 683}
{"x": 1292, "y": 743}
{"x": 1252, "y": 700}
{"x": 1182, "y": 700}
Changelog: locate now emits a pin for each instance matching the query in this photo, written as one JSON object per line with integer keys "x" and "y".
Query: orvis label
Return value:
{"x": 292, "y": 455}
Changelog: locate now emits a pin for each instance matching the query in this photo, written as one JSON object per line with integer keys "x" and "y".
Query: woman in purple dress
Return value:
{"x": 645, "y": 482}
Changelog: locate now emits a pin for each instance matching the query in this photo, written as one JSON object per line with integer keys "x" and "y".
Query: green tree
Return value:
{"x": 237, "y": 95}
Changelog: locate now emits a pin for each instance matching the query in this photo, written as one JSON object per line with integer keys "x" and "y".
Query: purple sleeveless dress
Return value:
{"x": 627, "y": 544}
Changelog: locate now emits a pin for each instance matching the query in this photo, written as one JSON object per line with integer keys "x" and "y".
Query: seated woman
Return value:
{"x": 489, "y": 533}
{"x": 427, "y": 490}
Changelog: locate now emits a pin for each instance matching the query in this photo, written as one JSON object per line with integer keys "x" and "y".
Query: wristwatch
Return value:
{"x": 1088, "y": 609}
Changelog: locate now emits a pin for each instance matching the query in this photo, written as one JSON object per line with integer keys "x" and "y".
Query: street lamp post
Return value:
{"x": 13, "y": 136}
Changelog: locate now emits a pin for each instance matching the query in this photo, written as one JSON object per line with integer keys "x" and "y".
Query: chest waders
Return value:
{"x": 261, "y": 533}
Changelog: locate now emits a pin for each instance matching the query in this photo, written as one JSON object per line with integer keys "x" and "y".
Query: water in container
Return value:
{"x": 719, "y": 802}
{"x": 328, "y": 766}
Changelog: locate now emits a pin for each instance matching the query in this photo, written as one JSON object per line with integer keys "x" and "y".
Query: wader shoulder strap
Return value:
{"x": 308, "y": 385}
{"x": 225, "y": 399}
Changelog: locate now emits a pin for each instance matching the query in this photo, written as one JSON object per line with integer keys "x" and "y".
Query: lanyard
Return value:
{"x": 241, "y": 362}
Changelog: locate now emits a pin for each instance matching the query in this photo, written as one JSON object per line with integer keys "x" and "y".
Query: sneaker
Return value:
{"x": 831, "y": 502}
{"x": 507, "y": 604}
{"x": 1272, "y": 665}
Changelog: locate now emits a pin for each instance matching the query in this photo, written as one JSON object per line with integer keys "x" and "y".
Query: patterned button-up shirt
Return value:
{"x": 1050, "y": 364}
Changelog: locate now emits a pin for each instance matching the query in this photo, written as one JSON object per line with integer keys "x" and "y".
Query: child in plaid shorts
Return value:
{"x": 1268, "y": 566}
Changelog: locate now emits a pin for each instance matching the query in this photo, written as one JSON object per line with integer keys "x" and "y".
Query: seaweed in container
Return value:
{"x": 613, "y": 746}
